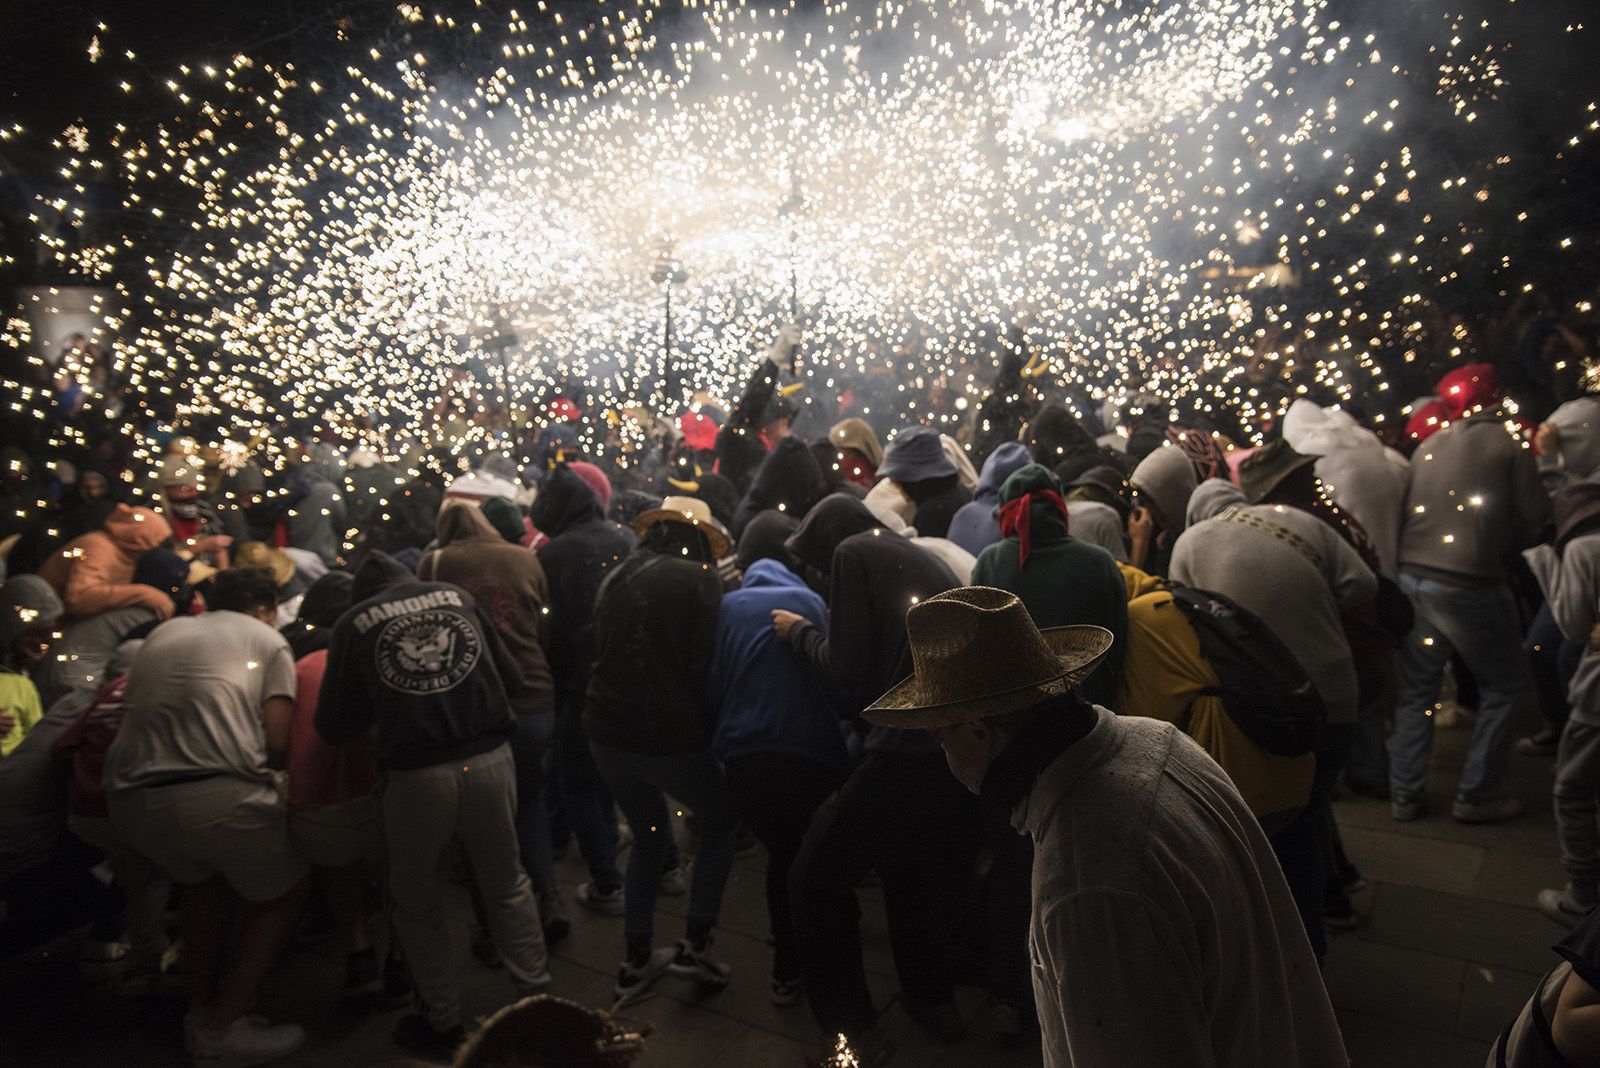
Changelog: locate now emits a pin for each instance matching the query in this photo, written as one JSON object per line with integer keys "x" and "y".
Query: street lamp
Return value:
{"x": 667, "y": 273}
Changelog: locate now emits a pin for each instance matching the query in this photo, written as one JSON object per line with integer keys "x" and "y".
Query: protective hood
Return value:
{"x": 377, "y": 573}
{"x": 1004, "y": 462}
{"x": 1046, "y": 523}
{"x": 464, "y": 523}
{"x": 327, "y": 599}
{"x": 769, "y": 574}
{"x": 25, "y": 601}
{"x": 765, "y": 538}
{"x": 789, "y": 480}
{"x": 836, "y": 518}
{"x": 1213, "y": 496}
{"x": 1167, "y": 477}
{"x": 1054, "y": 434}
{"x": 565, "y": 500}
{"x": 1578, "y": 422}
{"x": 137, "y": 530}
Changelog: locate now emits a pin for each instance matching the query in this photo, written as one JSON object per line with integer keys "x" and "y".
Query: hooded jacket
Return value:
{"x": 974, "y": 527}
{"x": 419, "y": 660}
{"x": 1578, "y": 457}
{"x": 583, "y": 548}
{"x": 740, "y": 446}
{"x": 655, "y": 622}
{"x": 1166, "y": 476}
{"x": 1065, "y": 581}
{"x": 788, "y": 480}
{"x": 763, "y": 696}
{"x": 25, "y": 601}
{"x": 319, "y": 611}
{"x": 94, "y": 573}
{"x": 874, "y": 576}
{"x": 509, "y": 586}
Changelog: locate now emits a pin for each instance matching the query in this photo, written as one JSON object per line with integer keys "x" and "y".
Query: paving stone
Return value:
{"x": 1375, "y": 1042}
{"x": 1396, "y": 983}
{"x": 1461, "y": 927}
{"x": 1384, "y": 856}
{"x": 1492, "y": 997}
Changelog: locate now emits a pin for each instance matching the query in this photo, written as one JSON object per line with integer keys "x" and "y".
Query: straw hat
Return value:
{"x": 260, "y": 554}
{"x": 690, "y": 510}
{"x": 1269, "y": 465}
{"x": 975, "y": 653}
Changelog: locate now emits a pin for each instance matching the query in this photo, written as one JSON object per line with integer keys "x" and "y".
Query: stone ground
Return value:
{"x": 1451, "y": 949}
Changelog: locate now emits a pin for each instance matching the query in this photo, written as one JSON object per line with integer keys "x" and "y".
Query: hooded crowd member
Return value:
{"x": 958, "y": 560}
{"x": 333, "y": 814}
{"x": 777, "y": 727}
{"x": 1056, "y": 439}
{"x": 763, "y": 413}
{"x": 1098, "y": 507}
{"x": 423, "y": 663}
{"x": 317, "y": 518}
{"x": 1568, "y": 569}
{"x": 196, "y": 528}
{"x": 583, "y": 547}
{"x": 510, "y": 589}
{"x": 917, "y": 464}
{"x": 1473, "y": 498}
{"x": 897, "y": 813}
{"x": 788, "y": 480}
{"x": 1362, "y": 475}
{"x": 859, "y": 453}
{"x": 1153, "y": 884}
{"x": 1297, "y": 576}
{"x": 29, "y": 612}
{"x": 974, "y": 526}
{"x": 94, "y": 573}
{"x": 1001, "y": 415}
{"x": 508, "y": 519}
{"x": 1163, "y": 482}
{"x": 1061, "y": 580}
{"x": 645, "y": 716}
{"x": 191, "y": 785}
{"x": 367, "y": 480}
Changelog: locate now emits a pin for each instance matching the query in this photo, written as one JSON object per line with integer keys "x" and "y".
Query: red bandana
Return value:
{"x": 1015, "y": 516}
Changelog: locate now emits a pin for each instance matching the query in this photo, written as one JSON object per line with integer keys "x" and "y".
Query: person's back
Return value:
{"x": 193, "y": 701}
{"x": 654, "y": 623}
{"x": 1473, "y": 498}
{"x": 510, "y": 589}
{"x": 766, "y": 699}
{"x": 1261, "y": 557}
{"x": 1163, "y": 930}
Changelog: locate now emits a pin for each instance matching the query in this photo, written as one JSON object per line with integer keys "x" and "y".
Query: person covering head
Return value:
{"x": 1032, "y": 494}
{"x": 260, "y": 554}
{"x": 690, "y": 512}
{"x": 595, "y": 478}
{"x": 788, "y": 480}
{"x": 1211, "y": 499}
{"x": 915, "y": 455}
{"x": 168, "y": 572}
{"x": 976, "y": 653}
{"x": 699, "y": 431}
{"x": 1166, "y": 478}
{"x": 320, "y": 609}
{"x": 29, "y": 609}
{"x": 974, "y": 526}
{"x": 835, "y": 518}
{"x": 856, "y": 434}
{"x": 505, "y": 517}
{"x": 1469, "y": 389}
{"x": 765, "y": 537}
{"x": 1264, "y": 469}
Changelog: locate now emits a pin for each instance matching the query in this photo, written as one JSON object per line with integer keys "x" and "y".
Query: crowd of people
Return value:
{"x": 1077, "y": 696}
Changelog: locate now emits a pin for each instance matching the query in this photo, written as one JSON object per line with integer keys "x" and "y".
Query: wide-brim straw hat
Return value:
{"x": 975, "y": 653}
{"x": 690, "y": 510}
{"x": 260, "y": 554}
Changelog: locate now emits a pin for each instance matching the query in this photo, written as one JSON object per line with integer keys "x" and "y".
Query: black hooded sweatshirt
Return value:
{"x": 320, "y": 610}
{"x": 583, "y": 548}
{"x": 421, "y": 661}
{"x": 789, "y": 480}
{"x": 874, "y": 577}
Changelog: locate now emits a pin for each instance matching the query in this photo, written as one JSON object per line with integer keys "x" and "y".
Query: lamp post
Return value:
{"x": 667, "y": 273}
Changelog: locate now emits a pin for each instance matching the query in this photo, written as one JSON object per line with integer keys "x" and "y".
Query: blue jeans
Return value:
{"x": 641, "y": 783}
{"x": 1479, "y": 623}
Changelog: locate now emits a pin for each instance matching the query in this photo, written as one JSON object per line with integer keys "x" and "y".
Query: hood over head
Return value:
{"x": 1167, "y": 477}
{"x": 164, "y": 570}
{"x": 1046, "y": 521}
{"x": 834, "y": 519}
{"x": 464, "y": 523}
{"x": 377, "y": 573}
{"x": 789, "y": 479}
{"x": 565, "y": 500}
{"x": 1001, "y": 465}
{"x": 137, "y": 530}
{"x": 500, "y": 465}
{"x": 765, "y": 537}
{"x": 1056, "y": 433}
{"x": 122, "y": 659}
{"x": 768, "y": 573}
{"x": 505, "y": 517}
{"x": 1578, "y": 422}
{"x": 856, "y": 433}
{"x": 596, "y": 479}
{"x": 327, "y": 599}
{"x": 1211, "y": 498}
{"x": 25, "y": 601}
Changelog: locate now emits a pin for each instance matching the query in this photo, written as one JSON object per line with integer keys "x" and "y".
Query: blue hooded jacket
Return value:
{"x": 764, "y": 696}
{"x": 974, "y": 527}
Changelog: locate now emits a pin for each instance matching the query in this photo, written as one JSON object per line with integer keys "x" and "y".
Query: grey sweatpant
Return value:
{"x": 1577, "y": 803}
{"x": 474, "y": 800}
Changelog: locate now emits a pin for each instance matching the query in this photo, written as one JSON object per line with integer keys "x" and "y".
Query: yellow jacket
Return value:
{"x": 1166, "y": 677}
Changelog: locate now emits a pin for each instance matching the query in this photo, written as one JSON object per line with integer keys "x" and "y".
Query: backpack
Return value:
{"x": 1264, "y": 690}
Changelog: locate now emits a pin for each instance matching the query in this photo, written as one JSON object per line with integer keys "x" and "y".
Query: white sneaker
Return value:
{"x": 247, "y": 1041}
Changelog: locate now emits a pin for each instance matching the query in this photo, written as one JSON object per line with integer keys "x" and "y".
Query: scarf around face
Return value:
{"x": 1016, "y": 517}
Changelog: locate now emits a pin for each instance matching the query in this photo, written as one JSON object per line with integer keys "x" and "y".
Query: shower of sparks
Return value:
{"x": 1153, "y": 195}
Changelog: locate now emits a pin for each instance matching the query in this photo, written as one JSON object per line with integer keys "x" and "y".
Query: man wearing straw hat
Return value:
{"x": 1162, "y": 931}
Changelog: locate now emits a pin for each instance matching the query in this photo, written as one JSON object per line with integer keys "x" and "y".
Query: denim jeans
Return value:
{"x": 530, "y": 747}
{"x": 1480, "y": 623}
{"x": 641, "y": 784}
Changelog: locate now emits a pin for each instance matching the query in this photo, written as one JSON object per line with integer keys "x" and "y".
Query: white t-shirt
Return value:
{"x": 193, "y": 704}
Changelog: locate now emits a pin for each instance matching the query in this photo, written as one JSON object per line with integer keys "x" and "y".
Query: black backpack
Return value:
{"x": 1264, "y": 689}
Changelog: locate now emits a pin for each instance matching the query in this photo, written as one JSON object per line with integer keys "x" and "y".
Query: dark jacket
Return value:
{"x": 320, "y": 610}
{"x": 874, "y": 576}
{"x": 937, "y": 500}
{"x": 974, "y": 527}
{"x": 1065, "y": 581}
{"x": 583, "y": 548}
{"x": 789, "y": 480}
{"x": 509, "y": 586}
{"x": 763, "y": 696}
{"x": 739, "y": 446}
{"x": 419, "y": 660}
{"x": 655, "y": 624}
